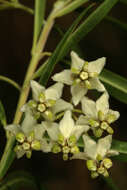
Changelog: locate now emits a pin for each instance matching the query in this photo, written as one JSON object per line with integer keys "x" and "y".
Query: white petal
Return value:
{"x": 54, "y": 92}
{"x": 46, "y": 147}
{"x": 77, "y": 92}
{"x": 96, "y": 84}
{"x": 52, "y": 130}
{"x": 82, "y": 120}
{"x": 36, "y": 89}
{"x": 39, "y": 131}
{"x": 61, "y": 105}
{"x": 89, "y": 108}
{"x": 28, "y": 123}
{"x": 112, "y": 153}
{"x": 80, "y": 155}
{"x": 97, "y": 65}
{"x": 66, "y": 125}
{"x": 77, "y": 62}
{"x": 79, "y": 129}
{"x": 14, "y": 129}
{"x": 102, "y": 103}
{"x": 20, "y": 153}
{"x": 90, "y": 147}
{"x": 104, "y": 145}
{"x": 115, "y": 113}
{"x": 64, "y": 77}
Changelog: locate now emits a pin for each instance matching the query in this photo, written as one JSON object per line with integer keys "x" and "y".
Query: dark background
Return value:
{"x": 16, "y": 30}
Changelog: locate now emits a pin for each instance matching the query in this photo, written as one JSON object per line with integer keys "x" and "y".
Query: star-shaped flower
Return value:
{"x": 46, "y": 102}
{"x": 97, "y": 155}
{"x": 82, "y": 76}
{"x": 65, "y": 135}
{"x": 29, "y": 136}
{"x": 98, "y": 115}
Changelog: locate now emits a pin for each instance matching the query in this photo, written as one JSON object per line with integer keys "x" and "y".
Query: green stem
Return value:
{"x": 24, "y": 93}
{"x": 10, "y": 81}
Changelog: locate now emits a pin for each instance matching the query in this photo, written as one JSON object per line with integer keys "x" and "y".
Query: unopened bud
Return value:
{"x": 32, "y": 104}
{"x": 66, "y": 149}
{"x": 41, "y": 97}
{"x": 61, "y": 139}
{"x": 85, "y": 66}
{"x": 41, "y": 107}
{"x": 65, "y": 157}
{"x": 98, "y": 132}
{"x": 110, "y": 130}
{"x": 50, "y": 103}
{"x": 74, "y": 150}
{"x": 91, "y": 165}
{"x": 93, "y": 123}
{"x": 56, "y": 149}
{"x": 87, "y": 84}
{"x": 104, "y": 125}
{"x": 48, "y": 115}
{"x": 101, "y": 115}
{"x": 107, "y": 163}
{"x": 101, "y": 170}
{"x": 111, "y": 118}
{"x": 29, "y": 154}
{"x": 31, "y": 136}
{"x": 36, "y": 145}
{"x": 94, "y": 175}
{"x": 26, "y": 146}
{"x": 20, "y": 137}
{"x": 72, "y": 140}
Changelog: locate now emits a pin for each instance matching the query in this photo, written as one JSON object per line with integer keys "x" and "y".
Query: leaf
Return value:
{"x": 18, "y": 179}
{"x": 47, "y": 70}
{"x": 121, "y": 157}
{"x": 115, "y": 84}
{"x": 71, "y": 7}
{"x": 38, "y": 19}
{"x": 120, "y": 146}
{"x": 89, "y": 24}
{"x": 2, "y": 115}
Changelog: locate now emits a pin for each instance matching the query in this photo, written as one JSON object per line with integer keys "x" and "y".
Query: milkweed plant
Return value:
{"x": 81, "y": 125}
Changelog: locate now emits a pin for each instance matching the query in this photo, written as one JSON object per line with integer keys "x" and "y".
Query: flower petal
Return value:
{"x": 80, "y": 155}
{"x": 54, "y": 92}
{"x": 115, "y": 113}
{"x": 103, "y": 145}
{"x": 77, "y": 92}
{"x": 14, "y": 129}
{"x": 112, "y": 152}
{"x": 79, "y": 129}
{"x": 64, "y": 77}
{"x": 97, "y": 65}
{"x": 77, "y": 62}
{"x": 96, "y": 84}
{"x": 20, "y": 153}
{"x": 89, "y": 108}
{"x": 36, "y": 89}
{"x": 46, "y": 147}
{"x": 61, "y": 105}
{"x": 82, "y": 120}
{"x": 52, "y": 130}
{"x": 66, "y": 125}
{"x": 28, "y": 123}
{"x": 39, "y": 131}
{"x": 102, "y": 103}
{"x": 90, "y": 147}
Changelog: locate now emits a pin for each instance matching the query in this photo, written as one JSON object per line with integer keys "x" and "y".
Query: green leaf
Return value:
{"x": 71, "y": 7}
{"x": 47, "y": 70}
{"x": 18, "y": 179}
{"x": 38, "y": 19}
{"x": 121, "y": 157}
{"x": 115, "y": 84}
{"x": 2, "y": 115}
{"x": 120, "y": 146}
{"x": 89, "y": 24}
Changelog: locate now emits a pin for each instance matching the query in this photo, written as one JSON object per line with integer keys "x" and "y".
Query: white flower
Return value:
{"x": 65, "y": 135}
{"x": 97, "y": 155}
{"x": 29, "y": 136}
{"x": 82, "y": 76}
{"x": 98, "y": 115}
{"x": 46, "y": 102}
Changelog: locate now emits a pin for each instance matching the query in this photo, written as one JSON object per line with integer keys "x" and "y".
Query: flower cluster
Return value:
{"x": 52, "y": 124}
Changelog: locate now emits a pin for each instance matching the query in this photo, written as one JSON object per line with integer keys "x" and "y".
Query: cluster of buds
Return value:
{"x": 52, "y": 124}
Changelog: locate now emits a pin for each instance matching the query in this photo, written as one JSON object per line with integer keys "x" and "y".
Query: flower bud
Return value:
{"x": 72, "y": 140}
{"x": 107, "y": 163}
{"x": 83, "y": 75}
{"x": 26, "y": 146}
{"x": 87, "y": 84}
{"x": 104, "y": 125}
{"x": 29, "y": 154}
{"x": 36, "y": 145}
{"x": 65, "y": 157}
{"x": 61, "y": 140}
{"x": 110, "y": 130}
{"x": 20, "y": 137}
{"x": 74, "y": 150}
{"x": 50, "y": 103}
{"x": 85, "y": 66}
{"x": 101, "y": 170}
{"x": 94, "y": 175}
{"x": 56, "y": 149}
{"x": 48, "y": 115}
{"x": 41, "y": 107}
{"x": 66, "y": 149}
{"x": 32, "y": 104}
{"x": 101, "y": 115}
{"x": 111, "y": 118}
{"x": 93, "y": 123}
{"x": 31, "y": 136}
{"x": 41, "y": 97}
{"x": 91, "y": 165}
{"x": 98, "y": 132}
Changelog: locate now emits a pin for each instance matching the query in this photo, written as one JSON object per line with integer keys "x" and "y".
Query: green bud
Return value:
{"x": 31, "y": 136}
{"x": 98, "y": 132}
{"x": 20, "y": 137}
{"x": 83, "y": 75}
{"x": 91, "y": 165}
{"x": 107, "y": 163}
{"x": 36, "y": 145}
{"x": 17, "y": 148}
{"x": 72, "y": 140}
{"x": 99, "y": 157}
{"x": 29, "y": 154}
{"x": 76, "y": 81}
{"x": 61, "y": 139}
{"x": 41, "y": 97}
{"x": 93, "y": 123}
{"x": 74, "y": 150}
{"x": 101, "y": 115}
{"x": 37, "y": 115}
{"x": 48, "y": 115}
{"x": 87, "y": 84}
{"x": 85, "y": 66}
{"x": 104, "y": 125}
{"x": 94, "y": 175}
{"x": 50, "y": 103}
{"x": 65, "y": 157}
{"x": 56, "y": 149}
{"x": 111, "y": 118}
{"x": 66, "y": 149}
{"x": 101, "y": 170}
{"x": 32, "y": 104}
{"x": 106, "y": 174}
{"x": 26, "y": 146}
{"x": 41, "y": 107}
{"x": 110, "y": 130}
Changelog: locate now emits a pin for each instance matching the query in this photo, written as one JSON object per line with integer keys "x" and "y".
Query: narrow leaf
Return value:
{"x": 2, "y": 115}
{"x": 115, "y": 84}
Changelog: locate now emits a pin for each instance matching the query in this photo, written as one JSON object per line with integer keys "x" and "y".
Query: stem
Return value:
{"x": 24, "y": 94}
{"x": 13, "y": 83}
